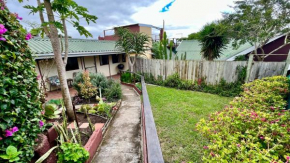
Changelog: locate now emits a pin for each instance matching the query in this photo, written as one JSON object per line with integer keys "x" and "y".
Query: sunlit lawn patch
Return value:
{"x": 176, "y": 112}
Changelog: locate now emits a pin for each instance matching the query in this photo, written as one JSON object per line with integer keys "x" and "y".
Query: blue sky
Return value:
{"x": 181, "y": 18}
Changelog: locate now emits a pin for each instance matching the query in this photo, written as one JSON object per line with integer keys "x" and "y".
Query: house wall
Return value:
{"x": 148, "y": 32}
{"x": 273, "y": 45}
{"x": 87, "y": 63}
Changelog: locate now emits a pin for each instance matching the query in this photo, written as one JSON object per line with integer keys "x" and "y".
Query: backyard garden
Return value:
{"x": 35, "y": 130}
{"x": 251, "y": 125}
{"x": 201, "y": 127}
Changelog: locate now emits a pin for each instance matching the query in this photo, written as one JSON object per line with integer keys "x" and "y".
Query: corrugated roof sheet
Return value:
{"x": 42, "y": 46}
{"x": 193, "y": 47}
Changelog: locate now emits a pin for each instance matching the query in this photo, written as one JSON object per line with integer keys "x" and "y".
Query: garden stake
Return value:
{"x": 76, "y": 118}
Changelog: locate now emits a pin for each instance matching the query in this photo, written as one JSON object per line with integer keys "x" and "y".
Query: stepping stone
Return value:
{"x": 72, "y": 125}
{"x": 84, "y": 125}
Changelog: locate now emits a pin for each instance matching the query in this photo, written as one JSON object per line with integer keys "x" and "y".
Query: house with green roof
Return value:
{"x": 192, "y": 48}
{"x": 275, "y": 45}
{"x": 83, "y": 54}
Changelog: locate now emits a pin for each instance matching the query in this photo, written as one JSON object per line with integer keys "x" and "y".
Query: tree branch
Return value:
{"x": 65, "y": 42}
{"x": 46, "y": 31}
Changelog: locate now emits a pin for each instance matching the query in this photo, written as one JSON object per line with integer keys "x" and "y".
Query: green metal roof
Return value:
{"x": 193, "y": 47}
{"x": 42, "y": 47}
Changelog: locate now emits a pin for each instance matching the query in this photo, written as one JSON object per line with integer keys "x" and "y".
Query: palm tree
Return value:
{"x": 213, "y": 40}
{"x": 132, "y": 44}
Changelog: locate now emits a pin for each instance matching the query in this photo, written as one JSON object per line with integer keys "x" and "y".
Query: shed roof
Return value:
{"x": 42, "y": 48}
{"x": 193, "y": 48}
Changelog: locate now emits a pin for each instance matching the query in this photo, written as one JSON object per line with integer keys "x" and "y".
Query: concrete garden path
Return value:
{"x": 122, "y": 141}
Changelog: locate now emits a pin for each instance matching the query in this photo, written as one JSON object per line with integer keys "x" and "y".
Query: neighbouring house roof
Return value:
{"x": 193, "y": 48}
{"x": 141, "y": 25}
{"x": 41, "y": 47}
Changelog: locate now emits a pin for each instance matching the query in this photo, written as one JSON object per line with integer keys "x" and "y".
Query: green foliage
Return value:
{"x": 85, "y": 108}
{"x": 68, "y": 10}
{"x": 19, "y": 104}
{"x": 170, "y": 52}
{"x": 57, "y": 102}
{"x": 176, "y": 112}
{"x": 11, "y": 154}
{"x": 104, "y": 109}
{"x": 129, "y": 42}
{"x": 241, "y": 58}
{"x": 86, "y": 88}
{"x": 97, "y": 79}
{"x": 222, "y": 88}
{"x": 160, "y": 48}
{"x": 126, "y": 77}
{"x": 44, "y": 157}
{"x": 257, "y": 21}
{"x": 114, "y": 91}
{"x": 155, "y": 50}
{"x": 139, "y": 86}
{"x": 51, "y": 111}
{"x": 164, "y": 43}
{"x": 254, "y": 128}
{"x": 213, "y": 40}
{"x": 193, "y": 36}
{"x": 72, "y": 153}
{"x": 172, "y": 81}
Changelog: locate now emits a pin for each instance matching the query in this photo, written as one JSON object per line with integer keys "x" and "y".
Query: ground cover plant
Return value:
{"x": 222, "y": 88}
{"x": 254, "y": 128}
{"x": 20, "y": 111}
{"x": 175, "y": 113}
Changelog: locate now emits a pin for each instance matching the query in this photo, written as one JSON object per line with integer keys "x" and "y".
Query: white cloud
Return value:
{"x": 189, "y": 15}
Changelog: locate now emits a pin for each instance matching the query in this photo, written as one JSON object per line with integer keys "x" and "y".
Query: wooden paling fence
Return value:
{"x": 211, "y": 71}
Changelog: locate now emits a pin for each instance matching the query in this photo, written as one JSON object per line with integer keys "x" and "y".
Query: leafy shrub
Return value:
{"x": 149, "y": 78}
{"x": 255, "y": 128}
{"x": 87, "y": 89}
{"x": 11, "y": 154}
{"x": 55, "y": 101}
{"x": 222, "y": 88}
{"x": 139, "y": 86}
{"x": 126, "y": 77}
{"x": 173, "y": 81}
{"x": 72, "y": 153}
{"x": 97, "y": 79}
{"x": 51, "y": 111}
{"x": 19, "y": 105}
{"x": 114, "y": 91}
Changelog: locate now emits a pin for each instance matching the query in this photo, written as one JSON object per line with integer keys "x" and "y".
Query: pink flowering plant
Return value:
{"x": 254, "y": 128}
{"x": 20, "y": 111}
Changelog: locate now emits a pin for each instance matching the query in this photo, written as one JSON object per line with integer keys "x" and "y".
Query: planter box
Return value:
{"x": 94, "y": 141}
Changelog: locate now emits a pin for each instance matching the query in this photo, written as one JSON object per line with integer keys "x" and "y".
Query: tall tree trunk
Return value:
{"x": 59, "y": 62}
{"x": 130, "y": 63}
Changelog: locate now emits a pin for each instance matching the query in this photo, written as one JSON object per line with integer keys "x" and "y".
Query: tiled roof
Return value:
{"x": 42, "y": 47}
{"x": 193, "y": 47}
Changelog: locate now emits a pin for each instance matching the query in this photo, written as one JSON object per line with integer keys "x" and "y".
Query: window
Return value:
{"x": 72, "y": 64}
{"x": 104, "y": 60}
{"x": 123, "y": 57}
{"x": 115, "y": 58}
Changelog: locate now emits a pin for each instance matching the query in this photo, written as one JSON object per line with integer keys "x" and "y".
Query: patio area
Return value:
{"x": 56, "y": 94}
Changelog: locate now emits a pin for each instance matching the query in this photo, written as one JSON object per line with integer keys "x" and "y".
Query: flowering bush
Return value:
{"x": 255, "y": 128}
{"x": 87, "y": 89}
{"x": 19, "y": 107}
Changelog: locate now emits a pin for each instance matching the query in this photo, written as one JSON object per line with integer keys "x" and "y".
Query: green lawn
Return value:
{"x": 176, "y": 112}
